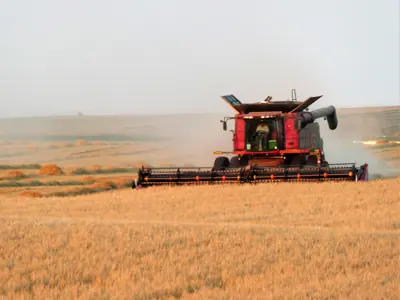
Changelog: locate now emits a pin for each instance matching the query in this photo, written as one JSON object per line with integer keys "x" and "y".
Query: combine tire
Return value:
{"x": 312, "y": 161}
{"x": 235, "y": 162}
{"x": 221, "y": 162}
{"x": 298, "y": 160}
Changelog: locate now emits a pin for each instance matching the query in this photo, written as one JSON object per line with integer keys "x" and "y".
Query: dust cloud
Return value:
{"x": 194, "y": 138}
{"x": 340, "y": 146}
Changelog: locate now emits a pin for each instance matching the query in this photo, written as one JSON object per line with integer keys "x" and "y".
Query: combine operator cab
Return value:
{"x": 276, "y": 133}
{"x": 258, "y": 140}
{"x": 272, "y": 141}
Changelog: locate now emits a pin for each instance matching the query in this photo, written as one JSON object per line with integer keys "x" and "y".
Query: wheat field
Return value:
{"x": 72, "y": 228}
{"x": 271, "y": 241}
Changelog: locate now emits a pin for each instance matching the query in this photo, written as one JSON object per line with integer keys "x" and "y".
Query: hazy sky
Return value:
{"x": 158, "y": 56}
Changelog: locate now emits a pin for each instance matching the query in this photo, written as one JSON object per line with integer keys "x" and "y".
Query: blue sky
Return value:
{"x": 111, "y": 57}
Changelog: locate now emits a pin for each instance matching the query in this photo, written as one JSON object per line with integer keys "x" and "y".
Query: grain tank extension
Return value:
{"x": 272, "y": 141}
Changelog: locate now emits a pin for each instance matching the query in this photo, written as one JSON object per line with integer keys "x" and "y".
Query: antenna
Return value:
{"x": 295, "y": 96}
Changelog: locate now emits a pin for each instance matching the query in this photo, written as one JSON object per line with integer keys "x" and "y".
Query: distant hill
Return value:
{"x": 367, "y": 109}
{"x": 371, "y": 121}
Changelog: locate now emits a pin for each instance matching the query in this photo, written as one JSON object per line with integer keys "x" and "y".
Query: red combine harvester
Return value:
{"x": 290, "y": 149}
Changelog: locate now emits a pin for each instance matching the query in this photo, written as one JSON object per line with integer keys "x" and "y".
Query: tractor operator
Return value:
{"x": 262, "y": 132}
{"x": 262, "y": 127}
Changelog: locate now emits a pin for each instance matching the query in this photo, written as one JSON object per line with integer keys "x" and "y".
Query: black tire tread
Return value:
{"x": 221, "y": 162}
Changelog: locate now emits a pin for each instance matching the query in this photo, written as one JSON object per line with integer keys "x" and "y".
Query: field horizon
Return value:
{"x": 341, "y": 110}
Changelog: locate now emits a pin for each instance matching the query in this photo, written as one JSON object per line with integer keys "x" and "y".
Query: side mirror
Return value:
{"x": 224, "y": 126}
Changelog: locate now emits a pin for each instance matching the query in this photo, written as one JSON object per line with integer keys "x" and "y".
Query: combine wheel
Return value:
{"x": 298, "y": 160}
{"x": 221, "y": 162}
{"x": 312, "y": 161}
{"x": 235, "y": 162}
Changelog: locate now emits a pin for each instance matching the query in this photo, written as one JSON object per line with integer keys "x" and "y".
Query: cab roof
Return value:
{"x": 273, "y": 106}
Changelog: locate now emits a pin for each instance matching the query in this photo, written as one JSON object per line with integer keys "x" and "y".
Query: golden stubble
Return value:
{"x": 280, "y": 241}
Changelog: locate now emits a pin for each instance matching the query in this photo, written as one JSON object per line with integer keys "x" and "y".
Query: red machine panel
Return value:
{"x": 239, "y": 138}
{"x": 292, "y": 137}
